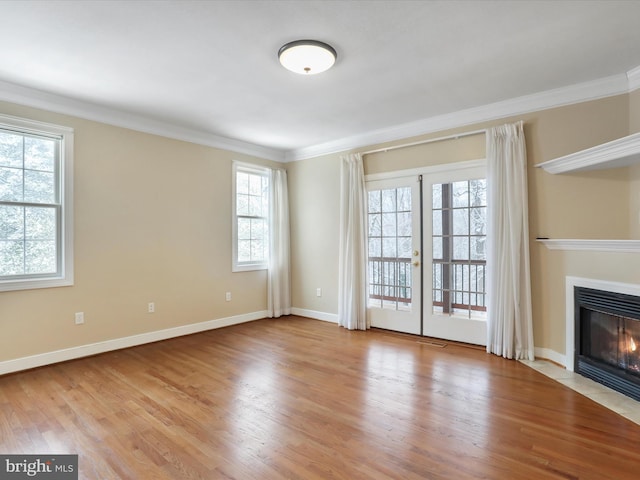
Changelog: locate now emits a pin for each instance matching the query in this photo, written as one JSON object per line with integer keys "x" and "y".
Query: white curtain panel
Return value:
{"x": 279, "y": 273}
{"x": 509, "y": 329}
{"x": 352, "y": 284}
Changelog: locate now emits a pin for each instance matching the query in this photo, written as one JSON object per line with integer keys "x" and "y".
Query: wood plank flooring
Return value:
{"x": 295, "y": 398}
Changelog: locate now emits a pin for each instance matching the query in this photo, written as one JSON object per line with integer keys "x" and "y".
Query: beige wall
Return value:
{"x": 634, "y": 127}
{"x": 152, "y": 224}
{"x": 634, "y": 111}
{"x": 436, "y": 153}
{"x": 153, "y": 215}
{"x": 580, "y": 205}
{"x": 314, "y": 198}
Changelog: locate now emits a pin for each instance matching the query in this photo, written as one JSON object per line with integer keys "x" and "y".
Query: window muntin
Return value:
{"x": 35, "y": 187}
{"x": 459, "y": 216}
{"x": 251, "y": 217}
{"x": 390, "y": 240}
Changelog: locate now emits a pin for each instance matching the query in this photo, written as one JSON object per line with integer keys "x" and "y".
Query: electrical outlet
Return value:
{"x": 227, "y": 296}
{"x": 318, "y": 292}
{"x": 151, "y": 308}
{"x": 79, "y": 318}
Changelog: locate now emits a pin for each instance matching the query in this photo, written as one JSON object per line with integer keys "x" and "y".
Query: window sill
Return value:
{"x": 28, "y": 284}
{"x": 248, "y": 268}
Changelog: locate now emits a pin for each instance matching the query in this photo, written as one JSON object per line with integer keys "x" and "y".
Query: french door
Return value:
{"x": 427, "y": 263}
{"x": 394, "y": 254}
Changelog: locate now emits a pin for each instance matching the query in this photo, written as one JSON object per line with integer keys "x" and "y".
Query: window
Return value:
{"x": 390, "y": 240}
{"x": 35, "y": 204}
{"x": 459, "y": 242}
{"x": 251, "y": 217}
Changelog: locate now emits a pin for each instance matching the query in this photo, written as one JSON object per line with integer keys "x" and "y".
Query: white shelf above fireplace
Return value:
{"x": 622, "y": 152}
{"x": 623, "y": 246}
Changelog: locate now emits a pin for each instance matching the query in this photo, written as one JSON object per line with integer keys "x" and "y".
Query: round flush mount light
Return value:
{"x": 307, "y": 57}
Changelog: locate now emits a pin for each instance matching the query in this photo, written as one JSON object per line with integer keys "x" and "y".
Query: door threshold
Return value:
{"x": 431, "y": 343}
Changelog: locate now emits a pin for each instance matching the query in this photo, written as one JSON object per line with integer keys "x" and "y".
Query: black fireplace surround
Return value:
{"x": 607, "y": 339}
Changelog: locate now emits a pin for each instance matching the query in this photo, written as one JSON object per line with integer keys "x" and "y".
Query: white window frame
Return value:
{"x": 64, "y": 274}
{"x": 238, "y": 266}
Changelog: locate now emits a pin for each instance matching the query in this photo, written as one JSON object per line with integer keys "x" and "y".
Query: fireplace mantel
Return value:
{"x": 624, "y": 246}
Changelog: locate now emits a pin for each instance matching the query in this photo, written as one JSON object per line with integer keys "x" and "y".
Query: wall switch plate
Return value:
{"x": 79, "y": 318}
{"x": 318, "y": 292}
{"x": 227, "y": 296}
{"x": 151, "y": 308}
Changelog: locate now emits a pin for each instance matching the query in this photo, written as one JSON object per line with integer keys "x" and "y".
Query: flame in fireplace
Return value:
{"x": 632, "y": 345}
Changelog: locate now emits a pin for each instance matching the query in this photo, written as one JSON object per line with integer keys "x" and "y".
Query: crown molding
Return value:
{"x": 582, "y": 92}
{"x": 31, "y": 97}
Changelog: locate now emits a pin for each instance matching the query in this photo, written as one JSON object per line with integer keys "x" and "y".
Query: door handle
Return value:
{"x": 416, "y": 263}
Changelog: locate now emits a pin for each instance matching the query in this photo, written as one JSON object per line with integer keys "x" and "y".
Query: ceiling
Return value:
{"x": 208, "y": 70}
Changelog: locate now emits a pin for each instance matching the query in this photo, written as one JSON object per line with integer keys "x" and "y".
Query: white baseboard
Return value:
{"x": 548, "y": 354}
{"x": 63, "y": 355}
{"x": 326, "y": 317}
{"x": 39, "y": 360}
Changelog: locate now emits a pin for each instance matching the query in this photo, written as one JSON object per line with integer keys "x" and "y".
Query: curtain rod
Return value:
{"x": 455, "y": 136}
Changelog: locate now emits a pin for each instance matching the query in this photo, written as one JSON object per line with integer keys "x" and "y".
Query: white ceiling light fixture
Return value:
{"x": 307, "y": 57}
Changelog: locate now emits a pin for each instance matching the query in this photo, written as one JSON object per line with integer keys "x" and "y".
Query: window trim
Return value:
{"x": 255, "y": 169}
{"x": 65, "y": 275}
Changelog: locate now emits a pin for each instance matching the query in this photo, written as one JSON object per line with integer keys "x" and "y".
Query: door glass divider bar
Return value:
{"x": 454, "y": 136}
{"x": 421, "y": 256}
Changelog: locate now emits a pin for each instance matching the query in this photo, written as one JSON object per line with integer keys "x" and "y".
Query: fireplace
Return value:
{"x": 607, "y": 339}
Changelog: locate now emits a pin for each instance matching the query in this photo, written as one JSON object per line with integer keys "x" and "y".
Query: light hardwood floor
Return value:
{"x": 295, "y": 398}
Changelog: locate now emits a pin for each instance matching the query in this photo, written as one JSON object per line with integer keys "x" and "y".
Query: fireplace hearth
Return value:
{"x": 607, "y": 339}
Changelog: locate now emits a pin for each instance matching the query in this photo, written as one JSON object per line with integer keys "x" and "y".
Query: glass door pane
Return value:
{"x": 393, "y": 263}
